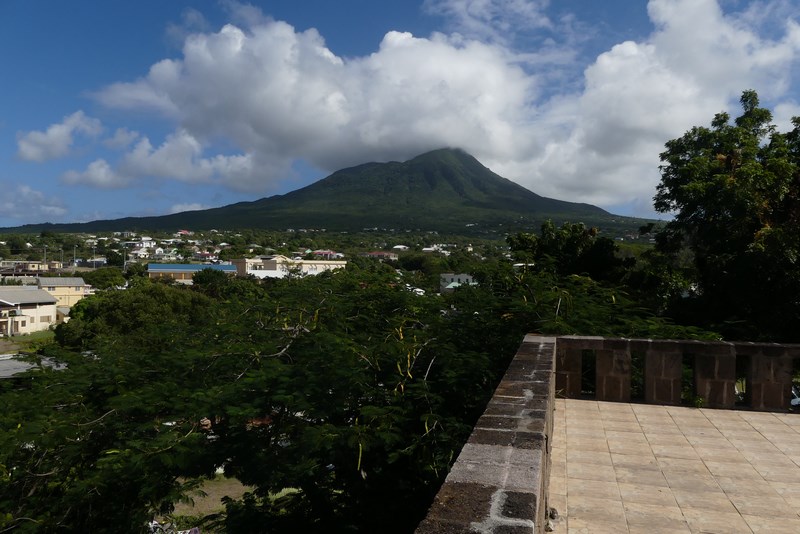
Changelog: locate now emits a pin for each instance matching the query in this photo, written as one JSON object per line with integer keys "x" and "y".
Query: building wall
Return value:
{"x": 28, "y": 319}
{"x": 66, "y": 296}
{"x": 281, "y": 266}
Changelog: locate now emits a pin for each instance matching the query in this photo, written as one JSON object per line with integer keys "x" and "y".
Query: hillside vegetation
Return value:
{"x": 445, "y": 190}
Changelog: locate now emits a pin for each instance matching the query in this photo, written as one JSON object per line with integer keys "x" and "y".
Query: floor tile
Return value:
{"x": 672, "y": 469}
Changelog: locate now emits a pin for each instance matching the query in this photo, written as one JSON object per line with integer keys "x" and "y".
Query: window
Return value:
{"x": 44, "y": 319}
{"x": 51, "y": 288}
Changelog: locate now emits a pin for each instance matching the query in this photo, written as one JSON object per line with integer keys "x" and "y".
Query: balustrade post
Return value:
{"x": 613, "y": 367}
{"x": 663, "y": 373}
{"x": 714, "y": 373}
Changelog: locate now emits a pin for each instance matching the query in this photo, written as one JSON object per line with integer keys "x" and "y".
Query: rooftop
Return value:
{"x": 174, "y": 267}
{"x": 66, "y": 281}
{"x": 18, "y": 295}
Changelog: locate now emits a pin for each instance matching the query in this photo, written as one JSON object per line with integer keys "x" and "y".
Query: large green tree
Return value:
{"x": 571, "y": 249}
{"x": 733, "y": 188}
{"x": 340, "y": 400}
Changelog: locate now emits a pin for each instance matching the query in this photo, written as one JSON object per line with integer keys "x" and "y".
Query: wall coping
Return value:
{"x": 500, "y": 479}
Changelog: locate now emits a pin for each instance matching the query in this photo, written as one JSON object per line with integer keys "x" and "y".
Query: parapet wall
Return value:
{"x": 763, "y": 371}
{"x": 499, "y": 482}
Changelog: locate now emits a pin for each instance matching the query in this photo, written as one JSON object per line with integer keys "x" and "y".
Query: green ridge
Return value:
{"x": 443, "y": 190}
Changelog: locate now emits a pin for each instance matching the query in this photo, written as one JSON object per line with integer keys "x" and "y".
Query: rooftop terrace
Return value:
{"x": 609, "y": 465}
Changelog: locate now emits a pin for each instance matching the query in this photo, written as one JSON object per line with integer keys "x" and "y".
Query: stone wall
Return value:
{"x": 765, "y": 367}
{"x": 499, "y": 482}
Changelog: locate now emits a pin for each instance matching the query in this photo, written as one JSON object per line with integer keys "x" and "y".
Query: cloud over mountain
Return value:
{"x": 246, "y": 102}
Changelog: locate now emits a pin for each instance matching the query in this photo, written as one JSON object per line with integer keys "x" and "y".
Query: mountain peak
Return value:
{"x": 444, "y": 189}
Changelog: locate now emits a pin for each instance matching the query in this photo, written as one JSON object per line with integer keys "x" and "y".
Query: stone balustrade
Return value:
{"x": 763, "y": 371}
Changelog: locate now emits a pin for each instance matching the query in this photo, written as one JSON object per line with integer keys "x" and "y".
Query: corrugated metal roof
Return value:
{"x": 66, "y": 281}
{"x": 10, "y": 365}
{"x": 13, "y": 296}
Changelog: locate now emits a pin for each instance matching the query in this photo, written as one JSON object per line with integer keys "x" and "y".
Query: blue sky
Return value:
{"x": 119, "y": 108}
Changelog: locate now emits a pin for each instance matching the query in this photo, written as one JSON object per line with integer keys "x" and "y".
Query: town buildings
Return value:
{"x": 278, "y": 266}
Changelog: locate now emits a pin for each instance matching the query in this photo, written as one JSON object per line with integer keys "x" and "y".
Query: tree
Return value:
{"x": 114, "y": 258}
{"x": 735, "y": 192}
{"x": 17, "y": 244}
{"x": 105, "y": 277}
{"x": 571, "y": 249}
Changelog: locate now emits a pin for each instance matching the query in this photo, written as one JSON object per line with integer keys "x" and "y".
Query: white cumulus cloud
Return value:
{"x": 26, "y": 203}
{"x": 98, "y": 174}
{"x": 179, "y": 157}
{"x": 192, "y": 206}
{"x": 277, "y": 95}
{"x": 493, "y": 20}
{"x": 56, "y": 141}
{"x": 121, "y": 139}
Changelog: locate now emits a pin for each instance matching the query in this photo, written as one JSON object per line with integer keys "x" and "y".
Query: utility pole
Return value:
{"x": 75, "y": 256}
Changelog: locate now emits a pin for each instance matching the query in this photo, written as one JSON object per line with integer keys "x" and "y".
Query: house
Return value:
{"x": 25, "y": 309}
{"x": 161, "y": 254}
{"x": 381, "y": 255}
{"x": 327, "y": 254}
{"x": 278, "y": 266}
{"x": 450, "y": 281}
{"x": 183, "y": 272}
{"x": 31, "y": 266}
{"x": 438, "y": 248}
{"x": 140, "y": 253}
{"x": 95, "y": 261}
{"x": 67, "y": 290}
{"x": 203, "y": 255}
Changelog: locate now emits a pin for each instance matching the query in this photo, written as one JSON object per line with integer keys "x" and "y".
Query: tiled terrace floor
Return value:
{"x": 657, "y": 469}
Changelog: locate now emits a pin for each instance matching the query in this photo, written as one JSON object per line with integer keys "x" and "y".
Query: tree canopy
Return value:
{"x": 340, "y": 400}
{"x": 734, "y": 190}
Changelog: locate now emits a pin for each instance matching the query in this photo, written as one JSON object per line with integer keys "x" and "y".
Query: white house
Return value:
{"x": 25, "y": 309}
{"x": 278, "y": 266}
{"x": 450, "y": 281}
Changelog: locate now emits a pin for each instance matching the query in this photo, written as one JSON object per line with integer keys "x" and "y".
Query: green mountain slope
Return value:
{"x": 443, "y": 190}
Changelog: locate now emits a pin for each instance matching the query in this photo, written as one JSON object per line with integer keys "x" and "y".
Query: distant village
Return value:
{"x": 36, "y": 295}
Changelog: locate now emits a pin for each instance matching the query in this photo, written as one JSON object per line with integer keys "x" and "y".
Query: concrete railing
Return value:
{"x": 718, "y": 374}
{"x": 499, "y": 482}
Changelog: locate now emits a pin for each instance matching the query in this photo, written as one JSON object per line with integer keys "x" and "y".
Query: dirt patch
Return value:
{"x": 9, "y": 347}
{"x": 212, "y": 502}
